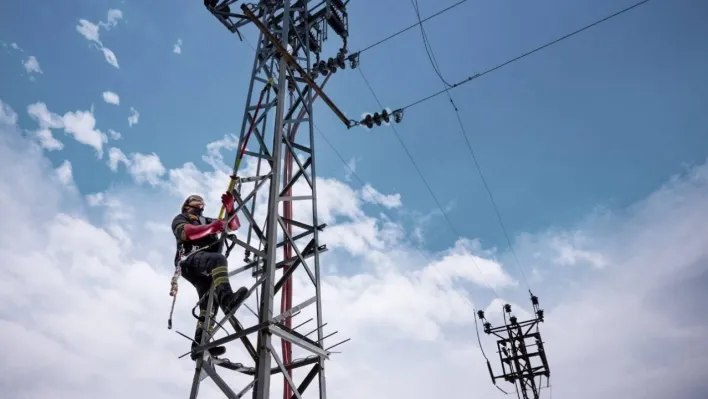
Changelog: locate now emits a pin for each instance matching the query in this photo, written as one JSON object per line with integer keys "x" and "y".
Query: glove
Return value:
{"x": 195, "y": 232}
{"x": 227, "y": 199}
{"x": 217, "y": 226}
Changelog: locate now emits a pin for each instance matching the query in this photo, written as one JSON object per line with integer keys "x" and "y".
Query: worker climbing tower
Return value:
{"x": 521, "y": 352}
{"x": 278, "y": 243}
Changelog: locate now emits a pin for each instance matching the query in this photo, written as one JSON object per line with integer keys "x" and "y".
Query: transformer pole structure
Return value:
{"x": 521, "y": 351}
{"x": 290, "y": 34}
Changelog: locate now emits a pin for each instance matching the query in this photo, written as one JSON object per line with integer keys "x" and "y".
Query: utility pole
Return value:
{"x": 289, "y": 58}
{"x": 520, "y": 350}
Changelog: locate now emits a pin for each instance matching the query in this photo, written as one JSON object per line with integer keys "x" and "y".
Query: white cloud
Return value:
{"x": 112, "y": 19}
{"x": 16, "y": 46}
{"x": 32, "y": 65}
{"x": 116, "y": 157}
{"x": 111, "y": 97}
{"x": 134, "y": 117}
{"x": 7, "y": 115}
{"x": 48, "y": 141}
{"x": 81, "y": 125}
{"x": 637, "y": 326}
{"x": 114, "y": 135}
{"x": 178, "y": 47}
{"x": 570, "y": 252}
{"x": 47, "y": 121}
{"x": 110, "y": 57}
{"x": 144, "y": 168}
{"x": 65, "y": 174}
{"x": 350, "y": 169}
{"x": 458, "y": 262}
{"x": 91, "y": 32}
{"x": 369, "y": 194}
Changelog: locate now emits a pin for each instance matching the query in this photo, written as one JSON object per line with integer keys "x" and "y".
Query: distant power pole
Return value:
{"x": 520, "y": 350}
{"x": 289, "y": 58}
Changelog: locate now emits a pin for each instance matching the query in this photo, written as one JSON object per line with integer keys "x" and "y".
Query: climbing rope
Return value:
{"x": 174, "y": 288}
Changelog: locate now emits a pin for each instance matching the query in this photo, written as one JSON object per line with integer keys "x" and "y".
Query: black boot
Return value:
{"x": 233, "y": 300}
{"x": 215, "y": 351}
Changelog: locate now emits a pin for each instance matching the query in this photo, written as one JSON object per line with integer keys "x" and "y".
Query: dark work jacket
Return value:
{"x": 210, "y": 243}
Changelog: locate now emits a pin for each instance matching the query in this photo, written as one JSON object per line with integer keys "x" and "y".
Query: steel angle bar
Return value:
{"x": 223, "y": 386}
{"x": 281, "y": 366}
{"x": 298, "y": 198}
{"x": 287, "y": 274}
{"x": 314, "y": 371}
{"x": 196, "y": 380}
{"x": 297, "y": 251}
{"x": 248, "y": 247}
{"x": 231, "y": 337}
{"x": 293, "y": 310}
{"x": 303, "y": 343}
{"x": 301, "y": 172}
{"x": 244, "y": 268}
{"x": 304, "y": 226}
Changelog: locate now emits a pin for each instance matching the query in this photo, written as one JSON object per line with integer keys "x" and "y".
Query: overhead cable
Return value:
{"x": 383, "y": 210}
{"x": 478, "y": 75}
{"x": 433, "y": 60}
{"x": 425, "y": 182}
{"x": 444, "y": 10}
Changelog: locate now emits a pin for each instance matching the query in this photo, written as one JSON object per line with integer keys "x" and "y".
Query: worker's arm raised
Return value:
{"x": 195, "y": 232}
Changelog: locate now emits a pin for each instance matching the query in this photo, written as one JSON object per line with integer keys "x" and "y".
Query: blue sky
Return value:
{"x": 599, "y": 119}
{"x": 602, "y": 120}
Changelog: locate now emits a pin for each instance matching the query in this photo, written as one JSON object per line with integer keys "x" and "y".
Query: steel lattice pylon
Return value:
{"x": 281, "y": 94}
{"x": 521, "y": 363}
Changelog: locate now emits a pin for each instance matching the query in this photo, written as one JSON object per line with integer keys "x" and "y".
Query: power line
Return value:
{"x": 436, "y": 67}
{"x": 425, "y": 181}
{"x": 428, "y": 47}
{"x": 371, "y": 193}
{"x": 478, "y": 75}
{"x": 383, "y": 209}
{"x": 463, "y": 132}
{"x": 420, "y": 22}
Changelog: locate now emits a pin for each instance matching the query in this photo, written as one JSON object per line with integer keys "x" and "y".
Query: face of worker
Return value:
{"x": 195, "y": 207}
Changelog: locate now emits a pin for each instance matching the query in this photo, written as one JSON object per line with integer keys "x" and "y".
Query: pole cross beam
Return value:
{"x": 521, "y": 351}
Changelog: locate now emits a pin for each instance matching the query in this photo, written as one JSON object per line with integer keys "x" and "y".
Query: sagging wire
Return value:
{"x": 446, "y": 86}
{"x": 444, "y": 10}
{"x": 428, "y": 47}
{"x": 528, "y": 53}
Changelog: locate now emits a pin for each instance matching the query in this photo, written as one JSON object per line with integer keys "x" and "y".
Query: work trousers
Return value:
{"x": 202, "y": 269}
